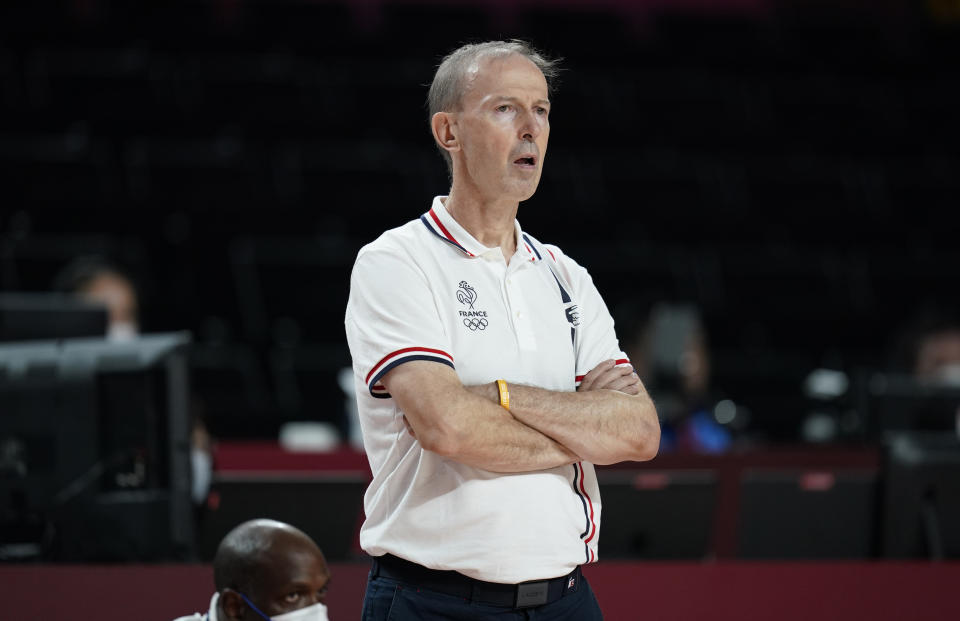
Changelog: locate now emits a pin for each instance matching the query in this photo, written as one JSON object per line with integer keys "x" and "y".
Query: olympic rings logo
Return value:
{"x": 476, "y": 324}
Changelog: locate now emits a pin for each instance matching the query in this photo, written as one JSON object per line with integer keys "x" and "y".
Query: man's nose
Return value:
{"x": 530, "y": 126}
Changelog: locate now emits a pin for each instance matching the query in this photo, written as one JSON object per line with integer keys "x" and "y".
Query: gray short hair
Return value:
{"x": 448, "y": 85}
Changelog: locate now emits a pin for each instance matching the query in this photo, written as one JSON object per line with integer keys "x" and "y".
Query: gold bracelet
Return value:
{"x": 504, "y": 394}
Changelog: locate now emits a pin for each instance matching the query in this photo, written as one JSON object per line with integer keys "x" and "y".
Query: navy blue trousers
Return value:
{"x": 390, "y": 600}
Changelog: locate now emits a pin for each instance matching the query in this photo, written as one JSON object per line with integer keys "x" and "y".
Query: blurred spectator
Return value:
{"x": 929, "y": 351}
{"x": 345, "y": 381}
{"x": 264, "y": 569}
{"x": 671, "y": 354}
{"x": 933, "y": 349}
{"x": 97, "y": 280}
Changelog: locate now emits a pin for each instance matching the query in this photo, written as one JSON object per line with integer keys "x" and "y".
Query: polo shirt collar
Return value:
{"x": 439, "y": 221}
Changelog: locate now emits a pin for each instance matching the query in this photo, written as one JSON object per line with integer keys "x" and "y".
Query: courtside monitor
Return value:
{"x": 94, "y": 450}
{"x": 39, "y": 316}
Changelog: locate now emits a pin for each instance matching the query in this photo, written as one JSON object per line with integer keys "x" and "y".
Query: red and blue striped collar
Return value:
{"x": 439, "y": 222}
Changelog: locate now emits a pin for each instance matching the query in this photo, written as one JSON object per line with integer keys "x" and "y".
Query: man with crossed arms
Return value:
{"x": 489, "y": 377}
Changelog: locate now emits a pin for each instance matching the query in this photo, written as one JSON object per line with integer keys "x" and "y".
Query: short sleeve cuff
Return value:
{"x": 618, "y": 362}
{"x": 397, "y": 358}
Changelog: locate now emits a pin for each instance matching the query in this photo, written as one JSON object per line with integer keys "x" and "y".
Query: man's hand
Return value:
{"x": 608, "y": 376}
{"x": 609, "y": 419}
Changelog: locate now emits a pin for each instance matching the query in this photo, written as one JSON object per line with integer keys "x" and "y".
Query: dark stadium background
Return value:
{"x": 791, "y": 167}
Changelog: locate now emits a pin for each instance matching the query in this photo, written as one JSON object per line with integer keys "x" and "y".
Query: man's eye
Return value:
{"x": 292, "y": 597}
{"x": 503, "y": 108}
{"x": 542, "y": 111}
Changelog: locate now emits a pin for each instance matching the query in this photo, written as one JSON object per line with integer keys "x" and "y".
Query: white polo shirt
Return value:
{"x": 429, "y": 291}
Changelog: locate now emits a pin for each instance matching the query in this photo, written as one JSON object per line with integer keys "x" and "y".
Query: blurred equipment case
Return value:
{"x": 815, "y": 514}
{"x": 656, "y": 514}
{"x": 921, "y": 499}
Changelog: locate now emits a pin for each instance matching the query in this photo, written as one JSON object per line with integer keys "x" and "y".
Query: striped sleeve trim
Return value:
{"x": 618, "y": 362}
{"x": 397, "y": 358}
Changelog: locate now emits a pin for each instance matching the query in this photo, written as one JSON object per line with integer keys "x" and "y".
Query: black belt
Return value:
{"x": 523, "y": 595}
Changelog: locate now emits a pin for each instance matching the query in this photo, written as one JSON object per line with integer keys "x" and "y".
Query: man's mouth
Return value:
{"x": 528, "y": 160}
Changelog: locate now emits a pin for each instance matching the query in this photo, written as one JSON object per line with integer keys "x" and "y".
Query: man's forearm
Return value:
{"x": 601, "y": 426}
{"x": 452, "y": 420}
{"x": 498, "y": 442}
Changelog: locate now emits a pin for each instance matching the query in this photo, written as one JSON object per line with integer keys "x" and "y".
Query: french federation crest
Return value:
{"x": 466, "y": 294}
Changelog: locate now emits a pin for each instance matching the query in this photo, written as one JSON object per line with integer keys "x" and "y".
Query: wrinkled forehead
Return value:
{"x": 500, "y": 69}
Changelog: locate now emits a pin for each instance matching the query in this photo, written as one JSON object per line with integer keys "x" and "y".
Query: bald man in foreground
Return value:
{"x": 265, "y": 569}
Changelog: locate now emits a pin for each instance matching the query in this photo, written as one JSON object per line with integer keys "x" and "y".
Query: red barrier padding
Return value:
{"x": 627, "y": 591}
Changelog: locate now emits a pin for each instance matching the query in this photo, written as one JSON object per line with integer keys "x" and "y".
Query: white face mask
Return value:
{"x": 122, "y": 331}
{"x": 201, "y": 463}
{"x": 316, "y": 612}
{"x": 949, "y": 374}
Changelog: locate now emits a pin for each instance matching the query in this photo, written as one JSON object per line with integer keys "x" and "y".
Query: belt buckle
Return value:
{"x": 532, "y": 594}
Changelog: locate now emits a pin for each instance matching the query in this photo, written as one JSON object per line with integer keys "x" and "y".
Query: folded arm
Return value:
{"x": 449, "y": 419}
{"x": 610, "y": 419}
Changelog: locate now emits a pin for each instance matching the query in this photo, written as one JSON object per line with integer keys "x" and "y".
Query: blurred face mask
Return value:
{"x": 201, "y": 463}
{"x": 316, "y": 612}
{"x": 949, "y": 374}
{"x": 121, "y": 331}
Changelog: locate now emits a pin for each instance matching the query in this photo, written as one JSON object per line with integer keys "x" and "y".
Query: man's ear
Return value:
{"x": 445, "y": 131}
{"x": 231, "y": 605}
